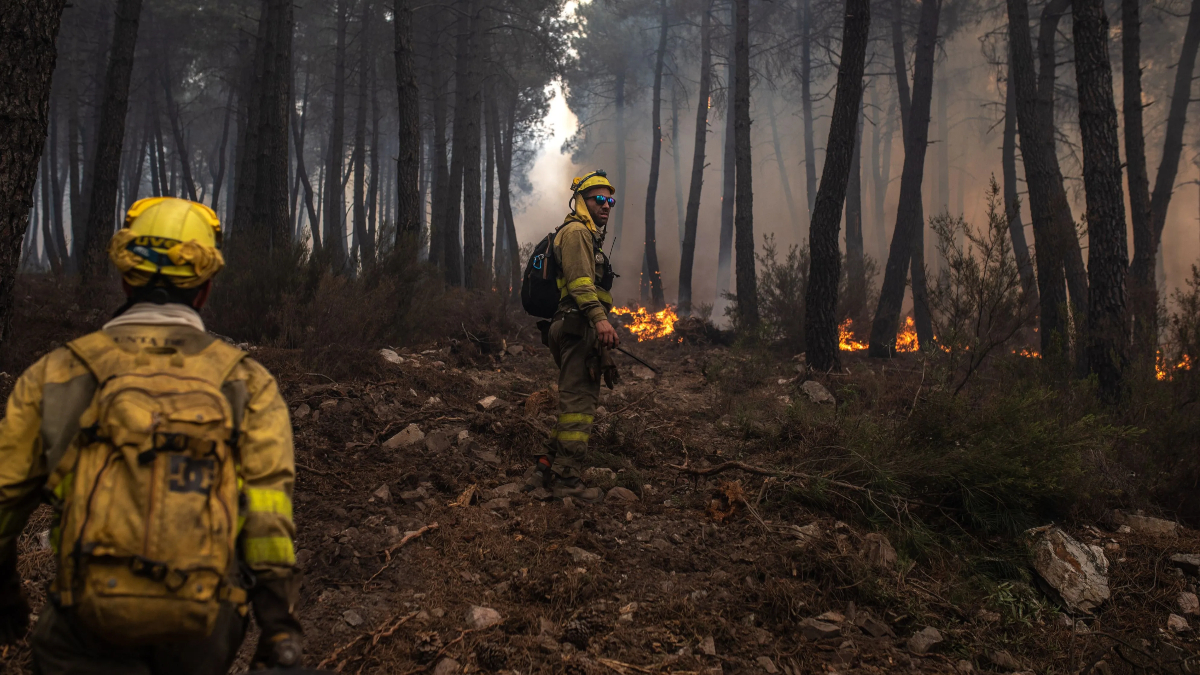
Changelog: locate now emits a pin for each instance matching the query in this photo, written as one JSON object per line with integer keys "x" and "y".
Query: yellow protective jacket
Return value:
{"x": 582, "y": 265}
{"x": 41, "y": 419}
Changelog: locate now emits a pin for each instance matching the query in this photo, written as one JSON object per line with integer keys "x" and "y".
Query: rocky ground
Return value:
{"x": 420, "y": 553}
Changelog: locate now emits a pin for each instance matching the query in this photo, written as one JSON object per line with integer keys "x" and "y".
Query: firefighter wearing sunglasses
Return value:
{"x": 579, "y": 338}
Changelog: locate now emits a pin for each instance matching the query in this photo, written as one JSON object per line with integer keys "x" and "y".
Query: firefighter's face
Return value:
{"x": 599, "y": 208}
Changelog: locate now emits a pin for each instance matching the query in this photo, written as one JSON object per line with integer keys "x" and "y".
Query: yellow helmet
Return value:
{"x": 586, "y": 182}
{"x": 171, "y": 239}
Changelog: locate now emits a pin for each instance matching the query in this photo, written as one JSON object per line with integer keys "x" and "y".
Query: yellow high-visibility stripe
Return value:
{"x": 605, "y": 296}
{"x": 581, "y": 281}
{"x": 269, "y": 501}
{"x": 568, "y": 436}
{"x": 574, "y": 418}
{"x": 584, "y": 298}
{"x": 269, "y": 551}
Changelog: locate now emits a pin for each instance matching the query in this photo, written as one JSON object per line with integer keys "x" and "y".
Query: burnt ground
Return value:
{"x": 687, "y": 574}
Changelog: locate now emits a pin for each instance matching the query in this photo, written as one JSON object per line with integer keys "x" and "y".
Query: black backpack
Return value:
{"x": 539, "y": 285}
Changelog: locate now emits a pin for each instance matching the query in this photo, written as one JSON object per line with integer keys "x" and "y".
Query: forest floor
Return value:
{"x": 420, "y": 554}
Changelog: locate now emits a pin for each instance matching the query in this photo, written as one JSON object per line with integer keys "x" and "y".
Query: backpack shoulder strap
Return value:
{"x": 96, "y": 350}
{"x": 223, "y": 358}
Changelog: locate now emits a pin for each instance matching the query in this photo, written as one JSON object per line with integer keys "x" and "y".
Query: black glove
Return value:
{"x": 282, "y": 642}
{"x": 14, "y": 610}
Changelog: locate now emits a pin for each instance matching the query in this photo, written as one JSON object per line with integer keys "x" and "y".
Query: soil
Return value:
{"x": 696, "y": 574}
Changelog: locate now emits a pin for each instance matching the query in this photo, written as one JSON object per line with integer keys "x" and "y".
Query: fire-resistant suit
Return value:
{"x": 42, "y": 420}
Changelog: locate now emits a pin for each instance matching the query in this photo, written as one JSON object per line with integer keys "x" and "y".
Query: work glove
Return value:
{"x": 612, "y": 376}
{"x": 14, "y": 610}
{"x": 282, "y": 643}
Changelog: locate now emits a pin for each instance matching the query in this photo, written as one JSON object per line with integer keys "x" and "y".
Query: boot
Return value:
{"x": 575, "y": 489}
{"x": 539, "y": 476}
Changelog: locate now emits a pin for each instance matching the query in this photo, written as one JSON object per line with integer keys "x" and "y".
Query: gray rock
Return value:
{"x": 411, "y": 435}
{"x": 807, "y": 534}
{"x": 506, "y": 489}
{"x": 439, "y": 441}
{"x": 1138, "y": 522}
{"x": 582, "y": 557}
{"x": 767, "y": 665}
{"x": 302, "y": 411}
{"x": 708, "y": 646}
{"x": 924, "y": 641}
{"x": 390, "y": 356}
{"x": 383, "y": 494}
{"x": 414, "y": 496}
{"x": 599, "y": 474}
{"x": 872, "y": 626}
{"x": 353, "y": 618}
{"x": 498, "y": 504}
{"x": 621, "y": 495}
{"x": 816, "y": 392}
{"x": 1004, "y": 660}
{"x": 819, "y": 630}
{"x": 513, "y": 350}
{"x": 1188, "y": 562}
{"x": 1177, "y": 624}
{"x": 642, "y": 372}
{"x": 491, "y": 403}
{"x": 832, "y": 617}
{"x": 447, "y": 666}
{"x": 482, "y": 617}
{"x": 878, "y": 551}
{"x": 964, "y": 667}
{"x": 1188, "y": 603}
{"x": 1076, "y": 571}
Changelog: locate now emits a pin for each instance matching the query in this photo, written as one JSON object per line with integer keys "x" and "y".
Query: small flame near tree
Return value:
{"x": 647, "y": 325}
{"x": 906, "y": 338}
{"x": 1164, "y": 371}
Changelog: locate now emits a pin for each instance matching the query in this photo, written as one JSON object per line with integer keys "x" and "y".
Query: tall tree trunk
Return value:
{"x": 27, "y": 50}
{"x": 359, "y": 158}
{"x": 219, "y": 175}
{"x": 475, "y": 271}
{"x": 161, "y": 149}
{"x": 106, "y": 168}
{"x": 1036, "y": 150}
{"x": 373, "y": 185}
{"x": 334, "y": 243}
{"x": 728, "y": 177}
{"x": 1144, "y": 313}
{"x": 185, "y": 160}
{"x": 298, "y": 129}
{"x": 441, "y": 175}
{"x": 152, "y": 152}
{"x": 806, "y": 107}
{"x": 617, "y": 220}
{"x": 452, "y": 219}
{"x": 78, "y": 217}
{"x": 651, "y": 251}
{"x": 747, "y": 281}
{"x": 820, "y": 302}
{"x": 696, "y": 185}
{"x": 514, "y": 247}
{"x": 133, "y": 179}
{"x": 48, "y": 217}
{"x": 57, "y": 189}
{"x": 1012, "y": 202}
{"x": 1108, "y": 256}
{"x": 783, "y": 175}
{"x": 1143, "y": 289}
{"x": 677, "y": 162}
{"x": 489, "y": 183}
{"x": 909, "y": 217}
{"x": 856, "y": 264}
{"x": 410, "y": 204}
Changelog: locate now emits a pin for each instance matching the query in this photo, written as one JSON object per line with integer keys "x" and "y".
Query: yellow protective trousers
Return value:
{"x": 572, "y": 342}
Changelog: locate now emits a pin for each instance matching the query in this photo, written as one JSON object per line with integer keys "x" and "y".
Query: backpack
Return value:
{"x": 539, "y": 285}
{"x": 148, "y": 494}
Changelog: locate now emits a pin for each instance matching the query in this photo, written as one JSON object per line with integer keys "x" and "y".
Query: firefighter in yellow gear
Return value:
{"x": 579, "y": 337}
{"x": 166, "y": 456}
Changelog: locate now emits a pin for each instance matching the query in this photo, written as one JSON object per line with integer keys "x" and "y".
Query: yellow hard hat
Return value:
{"x": 586, "y": 182}
{"x": 175, "y": 240}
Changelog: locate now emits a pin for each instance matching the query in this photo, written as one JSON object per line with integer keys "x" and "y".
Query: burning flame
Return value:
{"x": 906, "y": 339}
{"x": 1028, "y": 353}
{"x": 647, "y": 325}
{"x": 1163, "y": 371}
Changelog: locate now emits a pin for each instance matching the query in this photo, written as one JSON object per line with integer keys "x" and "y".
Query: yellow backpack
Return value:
{"x": 148, "y": 494}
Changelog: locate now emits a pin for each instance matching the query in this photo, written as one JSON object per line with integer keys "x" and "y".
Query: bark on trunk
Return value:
{"x": 48, "y": 243}
{"x": 409, "y": 203}
{"x": 1142, "y": 273}
{"x": 78, "y": 217}
{"x": 676, "y": 162}
{"x": 185, "y": 161}
{"x": 373, "y": 184}
{"x": 617, "y": 220}
{"x": 696, "y": 184}
{"x": 335, "y": 235}
{"x": 57, "y": 189}
{"x": 1012, "y": 202}
{"x": 451, "y": 220}
{"x": 219, "y": 176}
{"x": 475, "y": 271}
{"x": 441, "y": 168}
{"x": 1108, "y": 331}
{"x": 881, "y": 166}
{"x": 1143, "y": 311}
{"x": 650, "y": 260}
{"x": 728, "y": 178}
{"x": 806, "y": 107}
{"x": 856, "y": 270}
{"x": 909, "y": 218}
{"x": 359, "y": 159}
{"x": 313, "y": 219}
{"x": 105, "y": 173}
{"x": 27, "y": 50}
{"x": 747, "y": 281}
{"x": 820, "y": 303}
{"x": 490, "y": 240}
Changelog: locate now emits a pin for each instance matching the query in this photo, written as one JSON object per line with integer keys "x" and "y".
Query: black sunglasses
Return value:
{"x": 601, "y": 199}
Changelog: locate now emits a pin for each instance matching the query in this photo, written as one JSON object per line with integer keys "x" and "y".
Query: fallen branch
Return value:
{"x": 441, "y": 652}
{"x": 389, "y": 550}
{"x": 759, "y": 471}
{"x": 380, "y": 633}
{"x": 326, "y": 474}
